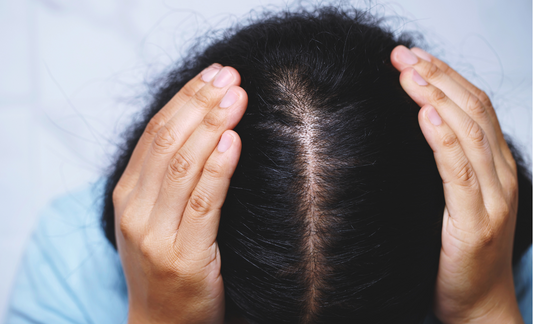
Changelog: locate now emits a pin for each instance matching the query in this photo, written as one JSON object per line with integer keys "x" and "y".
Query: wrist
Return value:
{"x": 500, "y": 306}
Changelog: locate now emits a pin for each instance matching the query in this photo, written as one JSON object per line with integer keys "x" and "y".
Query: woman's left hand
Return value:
{"x": 475, "y": 279}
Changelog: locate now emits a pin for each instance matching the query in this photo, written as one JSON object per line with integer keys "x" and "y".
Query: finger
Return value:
{"x": 463, "y": 196}
{"x": 401, "y": 59}
{"x": 479, "y": 94}
{"x": 185, "y": 168}
{"x": 456, "y": 92}
{"x": 199, "y": 226}
{"x": 131, "y": 174}
{"x": 172, "y": 136}
{"x": 469, "y": 134}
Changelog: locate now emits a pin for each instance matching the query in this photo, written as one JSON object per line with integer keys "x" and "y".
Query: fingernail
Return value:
{"x": 229, "y": 99}
{"x": 433, "y": 116}
{"x": 225, "y": 142}
{"x": 422, "y": 54}
{"x": 209, "y": 73}
{"x": 418, "y": 79}
{"x": 406, "y": 56}
{"x": 223, "y": 78}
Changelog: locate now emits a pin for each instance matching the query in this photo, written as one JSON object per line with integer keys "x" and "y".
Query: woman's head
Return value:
{"x": 334, "y": 211}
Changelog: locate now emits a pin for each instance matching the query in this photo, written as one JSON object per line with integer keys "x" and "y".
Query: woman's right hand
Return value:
{"x": 168, "y": 200}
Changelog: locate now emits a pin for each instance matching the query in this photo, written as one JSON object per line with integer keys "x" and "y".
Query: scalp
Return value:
{"x": 333, "y": 213}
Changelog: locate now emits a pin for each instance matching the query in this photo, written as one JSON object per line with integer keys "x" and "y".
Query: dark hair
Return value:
{"x": 334, "y": 213}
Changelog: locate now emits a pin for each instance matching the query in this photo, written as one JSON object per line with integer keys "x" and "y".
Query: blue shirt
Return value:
{"x": 71, "y": 274}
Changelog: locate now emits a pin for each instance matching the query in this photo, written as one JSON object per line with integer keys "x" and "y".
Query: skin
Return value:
{"x": 168, "y": 201}
{"x": 475, "y": 279}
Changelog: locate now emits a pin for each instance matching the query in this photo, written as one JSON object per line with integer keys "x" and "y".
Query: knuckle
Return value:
{"x": 201, "y": 100}
{"x": 475, "y": 133}
{"x": 146, "y": 248}
{"x": 474, "y": 106}
{"x": 187, "y": 91}
{"x": 510, "y": 183}
{"x": 154, "y": 125}
{"x": 214, "y": 170}
{"x": 466, "y": 175}
{"x": 437, "y": 96}
{"x": 504, "y": 210}
{"x": 512, "y": 164}
{"x": 212, "y": 122}
{"x": 445, "y": 68}
{"x": 449, "y": 140}
{"x": 483, "y": 97}
{"x": 512, "y": 186}
{"x": 433, "y": 72}
{"x": 179, "y": 167}
{"x": 487, "y": 237}
{"x": 164, "y": 140}
{"x": 156, "y": 256}
{"x": 200, "y": 203}
{"x": 127, "y": 227}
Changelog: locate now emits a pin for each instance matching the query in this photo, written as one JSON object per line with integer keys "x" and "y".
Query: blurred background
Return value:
{"x": 74, "y": 73}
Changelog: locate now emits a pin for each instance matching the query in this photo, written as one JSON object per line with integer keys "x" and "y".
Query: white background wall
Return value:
{"x": 70, "y": 72}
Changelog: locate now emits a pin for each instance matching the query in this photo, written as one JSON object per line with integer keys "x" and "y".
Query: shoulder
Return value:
{"x": 70, "y": 272}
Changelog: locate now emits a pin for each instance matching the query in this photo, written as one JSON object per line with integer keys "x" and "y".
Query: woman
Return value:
{"x": 335, "y": 210}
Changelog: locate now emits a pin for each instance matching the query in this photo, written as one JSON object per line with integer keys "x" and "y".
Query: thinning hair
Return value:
{"x": 334, "y": 213}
